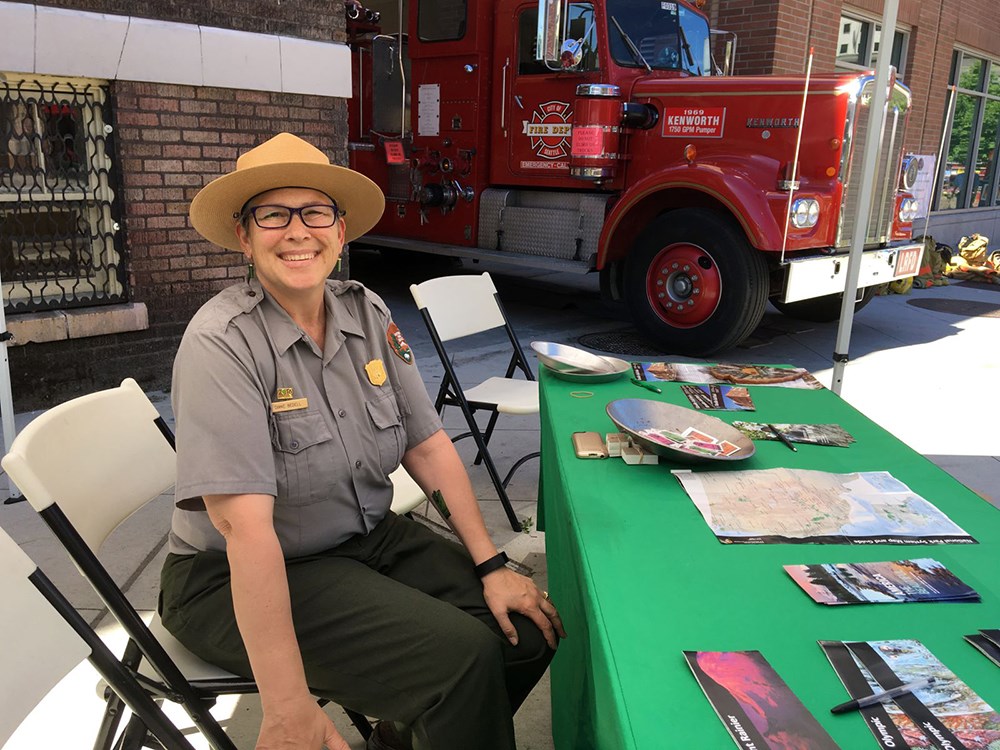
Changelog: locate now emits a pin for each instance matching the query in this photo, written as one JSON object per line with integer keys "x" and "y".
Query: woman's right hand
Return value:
{"x": 300, "y": 726}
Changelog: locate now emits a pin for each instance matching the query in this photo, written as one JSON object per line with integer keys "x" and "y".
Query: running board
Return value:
{"x": 474, "y": 253}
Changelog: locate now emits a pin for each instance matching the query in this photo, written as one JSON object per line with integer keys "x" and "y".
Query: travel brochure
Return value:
{"x": 945, "y": 714}
{"x": 718, "y": 397}
{"x": 988, "y": 642}
{"x": 921, "y": 580}
{"x": 677, "y": 372}
{"x": 756, "y": 706}
{"x": 815, "y": 434}
{"x": 802, "y": 506}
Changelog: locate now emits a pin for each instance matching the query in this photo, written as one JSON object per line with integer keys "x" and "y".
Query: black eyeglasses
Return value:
{"x": 316, "y": 216}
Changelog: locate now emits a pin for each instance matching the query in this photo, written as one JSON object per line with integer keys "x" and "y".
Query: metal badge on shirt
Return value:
{"x": 287, "y": 401}
{"x": 376, "y": 372}
{"x": 398, "y": 344}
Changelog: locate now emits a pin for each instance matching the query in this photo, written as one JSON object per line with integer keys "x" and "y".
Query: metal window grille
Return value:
{"x": 60, "y": 245}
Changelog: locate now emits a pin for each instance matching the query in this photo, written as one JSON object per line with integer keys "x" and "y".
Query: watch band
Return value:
{"x": 494, "y": 563}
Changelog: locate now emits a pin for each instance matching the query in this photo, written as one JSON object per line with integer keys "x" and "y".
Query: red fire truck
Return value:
{"x": 603, "y": 136}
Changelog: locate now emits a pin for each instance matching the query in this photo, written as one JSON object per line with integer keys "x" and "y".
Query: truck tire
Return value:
{"x": 693, "y": 283}
{"x": 821, "y": 309}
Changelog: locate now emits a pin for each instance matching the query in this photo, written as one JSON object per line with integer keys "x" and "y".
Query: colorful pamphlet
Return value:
{"x": 988, "y": 642}
{"x": 691, "y": 440}
{"x": 756, "y": 706}
{"x": 921, "y": 580}
{"x": 719, "y": 397}
{"x": 803, "y": 506}
{"x": 943, "y": 714}
{"x": 677, "y": 372}
{"x": 814, "y": 434}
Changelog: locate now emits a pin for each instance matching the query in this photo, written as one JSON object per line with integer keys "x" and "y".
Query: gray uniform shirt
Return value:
{"x": 242, "y": 362}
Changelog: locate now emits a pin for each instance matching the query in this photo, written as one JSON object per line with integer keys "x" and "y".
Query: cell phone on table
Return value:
{"x": 589, "y": 445}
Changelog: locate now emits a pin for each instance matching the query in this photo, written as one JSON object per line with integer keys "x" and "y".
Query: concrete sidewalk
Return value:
{"x": 923, "y": 374}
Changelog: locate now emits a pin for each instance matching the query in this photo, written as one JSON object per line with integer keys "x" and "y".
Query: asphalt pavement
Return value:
{"x": 924, "y": 365}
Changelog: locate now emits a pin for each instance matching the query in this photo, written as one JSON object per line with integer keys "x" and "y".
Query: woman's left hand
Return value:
{"x": 506, "y": 591}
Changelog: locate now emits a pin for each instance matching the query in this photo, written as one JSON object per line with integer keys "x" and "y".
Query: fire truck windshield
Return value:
{"x": 667, "y": 36}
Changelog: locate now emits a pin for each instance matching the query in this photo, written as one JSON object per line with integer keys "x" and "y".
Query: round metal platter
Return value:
{"x": 660, "y": 428}
{"x": 563, "y": 358}
{"x": 620, "y": 368}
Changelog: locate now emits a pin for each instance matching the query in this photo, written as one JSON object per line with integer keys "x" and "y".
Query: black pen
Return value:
{"x": 647, "y": 386}
{"x": 783, "y": 438}
{"x": 885, "y": 695}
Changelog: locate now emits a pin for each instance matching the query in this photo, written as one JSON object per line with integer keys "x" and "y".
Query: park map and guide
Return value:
{"x": 801, "y": 506}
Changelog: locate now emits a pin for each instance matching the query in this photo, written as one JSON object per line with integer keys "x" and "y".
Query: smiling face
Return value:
{"x": 292, "y": 263}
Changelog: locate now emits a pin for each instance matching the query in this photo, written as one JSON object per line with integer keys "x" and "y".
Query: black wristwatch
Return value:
{"x": 494, "y": 563}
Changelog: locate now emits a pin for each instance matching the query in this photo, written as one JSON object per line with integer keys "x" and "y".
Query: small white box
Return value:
{"x": 634, "y": 455}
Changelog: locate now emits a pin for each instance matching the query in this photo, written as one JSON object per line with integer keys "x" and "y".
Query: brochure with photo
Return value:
{"x": 678, "y": 372}
{"x": 756, "y": 706}
{"x": 719, "y": 397}
{"x": 920, "y": 580}
{"x": 813, "y": 434}
{"x": 943, "y": 714}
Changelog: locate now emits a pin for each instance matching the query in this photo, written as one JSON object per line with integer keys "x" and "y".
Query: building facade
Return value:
{"x": 114, "y": 113}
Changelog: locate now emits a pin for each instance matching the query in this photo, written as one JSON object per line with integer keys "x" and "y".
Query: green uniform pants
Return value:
{"x": 392, "y": 624}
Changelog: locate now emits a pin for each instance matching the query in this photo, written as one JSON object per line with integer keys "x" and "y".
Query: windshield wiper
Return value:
{"x": 636, "y": 54}
{"x": 687, "y": 49}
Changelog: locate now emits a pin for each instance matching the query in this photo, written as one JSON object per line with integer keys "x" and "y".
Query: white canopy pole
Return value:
{"x": 866, "y": 185}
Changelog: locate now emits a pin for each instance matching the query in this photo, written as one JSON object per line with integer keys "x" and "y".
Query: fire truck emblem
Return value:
{"x": 550, "y": 129}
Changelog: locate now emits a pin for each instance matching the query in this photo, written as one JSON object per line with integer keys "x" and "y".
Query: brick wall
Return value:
{"x": 321, "y": 20}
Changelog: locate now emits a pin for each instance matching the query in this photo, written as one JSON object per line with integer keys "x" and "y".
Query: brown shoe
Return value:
{"x": 385, "y": 737}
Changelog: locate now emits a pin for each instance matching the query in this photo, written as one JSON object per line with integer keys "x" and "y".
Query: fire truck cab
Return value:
{"x": 602, "y": 136}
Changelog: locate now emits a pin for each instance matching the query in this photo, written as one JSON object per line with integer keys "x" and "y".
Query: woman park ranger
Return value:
{"x": 294, "y": 397}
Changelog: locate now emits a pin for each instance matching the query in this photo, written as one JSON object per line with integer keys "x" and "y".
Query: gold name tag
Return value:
{"x": 279, "y": 406}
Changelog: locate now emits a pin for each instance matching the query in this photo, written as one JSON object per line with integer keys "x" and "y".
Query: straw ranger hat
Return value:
{"x": 283, "y": 161}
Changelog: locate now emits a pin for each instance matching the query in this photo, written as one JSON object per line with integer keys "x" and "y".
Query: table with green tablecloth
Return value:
{"x": 639, "y": 577}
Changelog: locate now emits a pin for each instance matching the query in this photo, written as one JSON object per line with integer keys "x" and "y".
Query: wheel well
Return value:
{"x": 631, "y": 224}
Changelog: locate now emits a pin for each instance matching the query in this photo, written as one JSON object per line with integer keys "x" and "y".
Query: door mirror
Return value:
{"x": 551, "y": 31}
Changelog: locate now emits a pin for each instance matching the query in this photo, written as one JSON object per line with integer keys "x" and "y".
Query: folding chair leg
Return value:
{"x": 360, "y": 722}
{"x": 110, "y": 722}
{"x": 517, "y": 465}
{"x": 486, "y": 435}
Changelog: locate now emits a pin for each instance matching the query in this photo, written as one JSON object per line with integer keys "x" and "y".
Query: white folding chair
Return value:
{"x": 454, "y": 307}
{"x": 85, "y": 466}
{"x": 406, "y": 493}
{"x": 43, "y": 638}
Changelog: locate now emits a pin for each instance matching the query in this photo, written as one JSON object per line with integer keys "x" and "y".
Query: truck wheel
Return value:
{"x": 693, "y": 283}
{"x": 821, "y": 309}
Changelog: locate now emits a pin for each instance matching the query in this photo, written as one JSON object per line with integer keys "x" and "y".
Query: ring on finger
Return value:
{"x": 545, "y": 595}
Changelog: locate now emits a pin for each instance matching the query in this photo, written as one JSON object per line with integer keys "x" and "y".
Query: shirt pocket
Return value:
{"x": 305, "y": 464}
{"x": 387, "y": 426}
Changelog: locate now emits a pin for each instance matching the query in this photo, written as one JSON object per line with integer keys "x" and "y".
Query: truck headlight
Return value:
{"x": 909, "y": 208}
{"x": 805, "y": 213}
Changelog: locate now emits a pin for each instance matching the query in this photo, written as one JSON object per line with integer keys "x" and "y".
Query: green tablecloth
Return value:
{"x": 639, "y": 577}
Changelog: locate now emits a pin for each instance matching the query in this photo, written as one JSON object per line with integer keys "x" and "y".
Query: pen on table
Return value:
{"x": 647, "y": 386}
{"x": 783, "y": 438}
{"x": 885, "y": 695}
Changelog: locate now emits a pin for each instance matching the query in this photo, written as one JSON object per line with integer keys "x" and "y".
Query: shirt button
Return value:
{"x": 342, "y": 413}
{"x": 294, "y": 444}
{"x": 357, "y": 464}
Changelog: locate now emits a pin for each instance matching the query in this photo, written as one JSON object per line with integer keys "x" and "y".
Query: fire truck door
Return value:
{"x": 536, "y": 111}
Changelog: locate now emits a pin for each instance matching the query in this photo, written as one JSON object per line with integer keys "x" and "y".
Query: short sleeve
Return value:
{"x": 220, "y": 408}
{"x": 422, "y": 421}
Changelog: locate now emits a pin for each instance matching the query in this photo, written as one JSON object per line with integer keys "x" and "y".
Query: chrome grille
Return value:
{"x": 886, "y": 174}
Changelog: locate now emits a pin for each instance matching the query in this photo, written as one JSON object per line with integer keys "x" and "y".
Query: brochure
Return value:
{"x": 815, "y": 434}
{"x": 921, "y": 580}
{"x": 988, "y": 642}
{"x": 756, "y": 706}
{"x": 803, "y": 506}
{"x": 719, "y": 397}
{"x": 945, "y": 715}
{"x": 678, "y": 372}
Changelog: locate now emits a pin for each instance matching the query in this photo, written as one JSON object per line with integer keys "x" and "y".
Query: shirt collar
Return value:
{"x": 284, "y": 331}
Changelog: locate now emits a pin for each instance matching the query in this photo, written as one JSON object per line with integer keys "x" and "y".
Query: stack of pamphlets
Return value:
{"x": 922, "y": 580}
{"x": 987, "y": 641}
